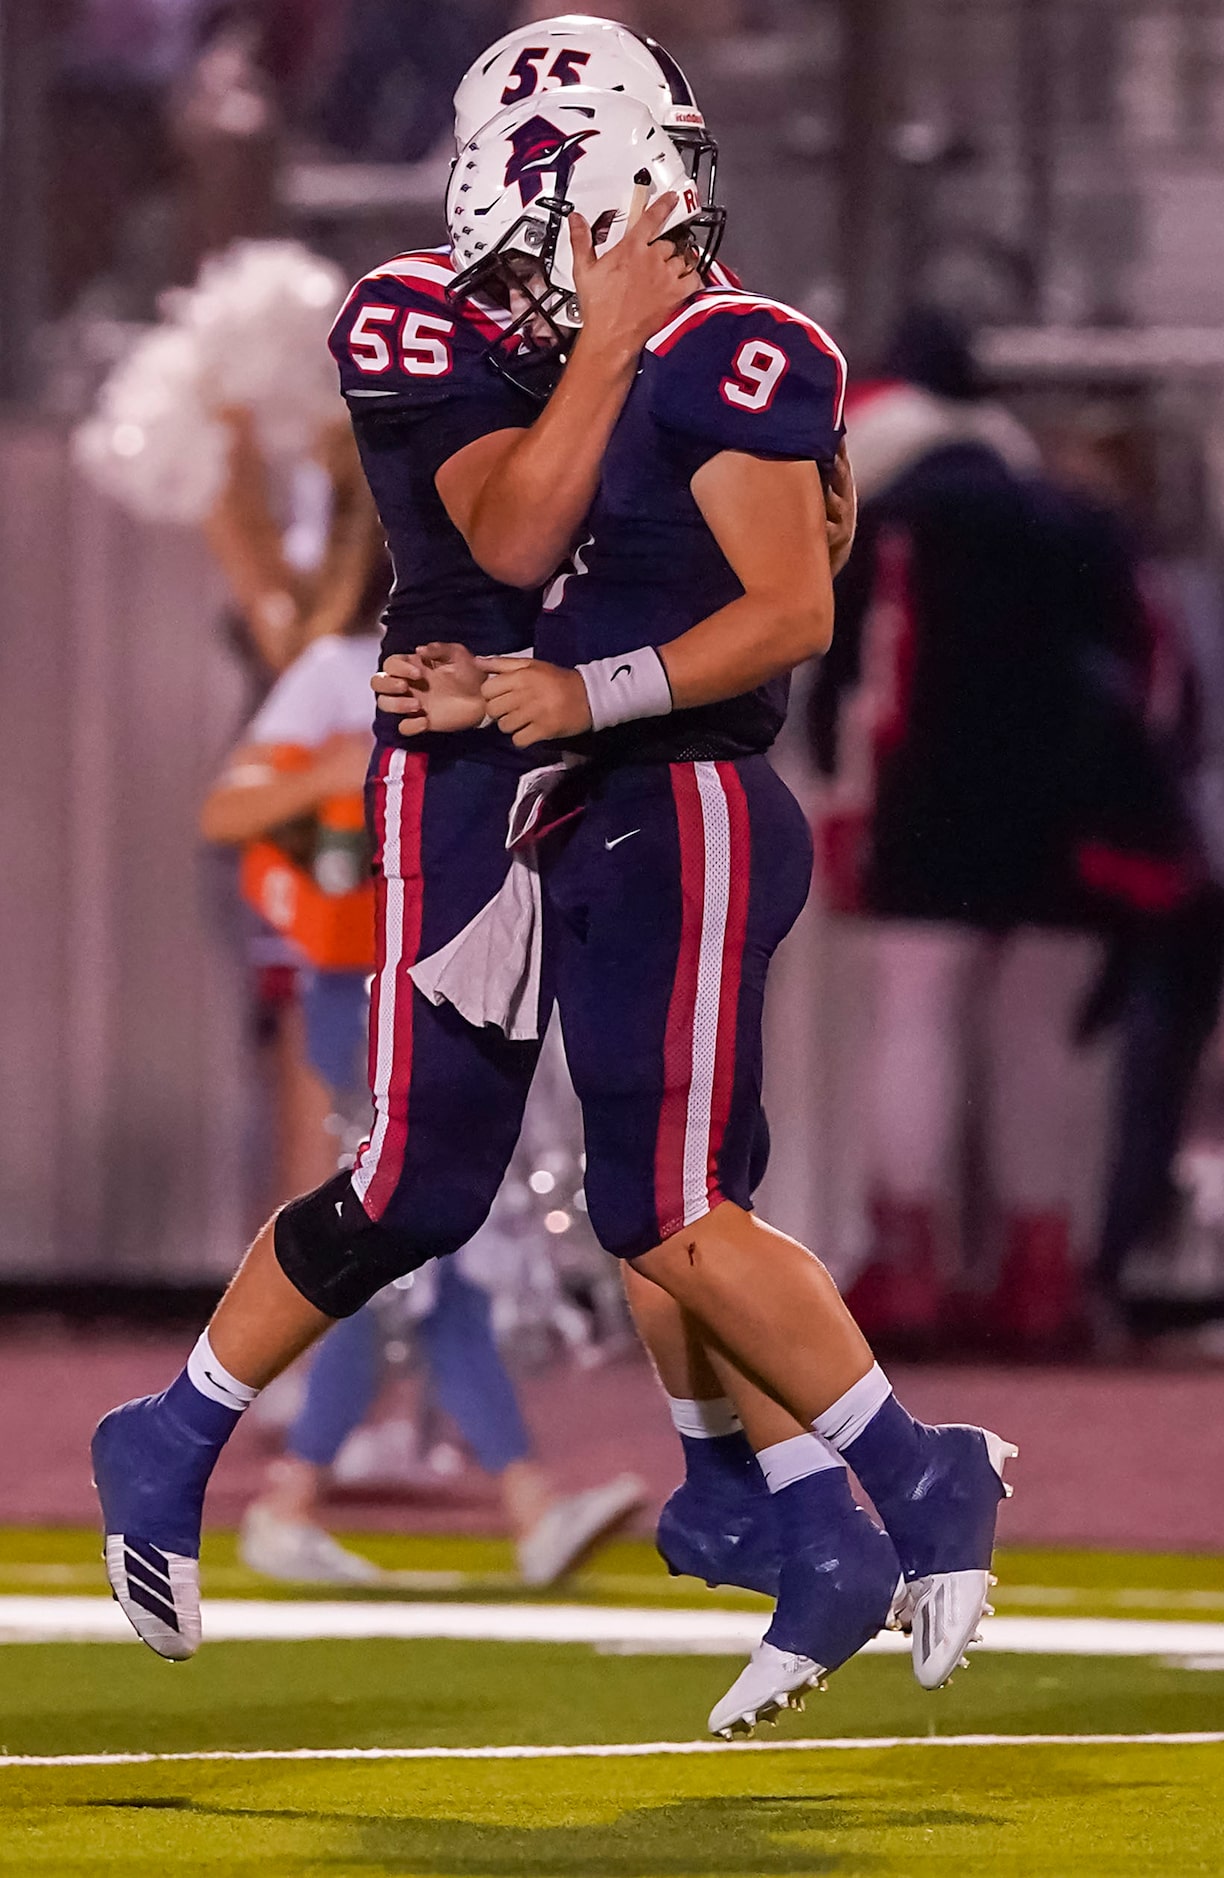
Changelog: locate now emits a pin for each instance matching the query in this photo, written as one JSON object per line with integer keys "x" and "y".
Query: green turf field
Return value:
{"x": 1098, "y": 1584}
{"x": 999, "y": 1809}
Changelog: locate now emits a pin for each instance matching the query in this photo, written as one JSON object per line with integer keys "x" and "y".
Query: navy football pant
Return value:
{"x": 664, "y": 903}
{"x": 448, "y": 1097}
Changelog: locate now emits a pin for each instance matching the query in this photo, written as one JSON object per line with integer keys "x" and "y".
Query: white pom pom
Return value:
{"x": 152, "y": 443}
{"x": 261, "y": 313}
{"x": 251, "y": 332}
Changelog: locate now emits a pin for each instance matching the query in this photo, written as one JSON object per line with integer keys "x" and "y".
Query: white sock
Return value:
{"x": 212, "y": 1378}
{"x": 788, "y": 1461}
{"x": 844, "y": 1420}
{"x": 703, "y": 1421}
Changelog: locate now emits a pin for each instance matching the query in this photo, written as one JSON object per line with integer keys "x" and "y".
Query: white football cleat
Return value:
{"x": 946, "y": 1612}
{"x": 296, "y": 1551}
{"x": 159, "y": 1594}
{"x": 773, "y": 1680}
{"x": 945, "y": 1609}
{"x": 571, "y": 1528}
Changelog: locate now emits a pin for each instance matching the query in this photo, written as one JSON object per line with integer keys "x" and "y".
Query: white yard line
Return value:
{"x": 615, "y": 1627}
{"x": 619, "y": 1750}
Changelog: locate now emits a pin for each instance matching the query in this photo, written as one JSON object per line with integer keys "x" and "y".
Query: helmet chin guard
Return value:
{"x": 515, "y": 184}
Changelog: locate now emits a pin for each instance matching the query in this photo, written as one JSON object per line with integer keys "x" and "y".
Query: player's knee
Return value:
{"x": 338, "y": 1257}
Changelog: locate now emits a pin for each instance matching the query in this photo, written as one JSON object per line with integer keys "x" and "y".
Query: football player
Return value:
{"x": 719, "y": 1524}
{"x": 448, "y": 1098}
{"x": 662, "y": 659}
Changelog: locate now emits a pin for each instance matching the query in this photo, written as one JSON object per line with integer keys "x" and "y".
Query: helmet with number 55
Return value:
{"x": 580, "y": 49}
{"x": 514, "y": 185}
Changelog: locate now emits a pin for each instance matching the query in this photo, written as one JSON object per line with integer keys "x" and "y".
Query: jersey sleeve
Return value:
{"x": 401, "y": 345}
{"x": 749, "y": 376}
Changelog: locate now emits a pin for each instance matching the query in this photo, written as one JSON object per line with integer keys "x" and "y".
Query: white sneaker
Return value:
{"x": 572, "y": 1527}
{"x": 298, "y": 1552}
{"x": 773, "y": 1680}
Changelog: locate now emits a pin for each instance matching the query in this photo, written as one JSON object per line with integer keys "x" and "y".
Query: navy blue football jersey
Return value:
{"x": 731, "y": 371}
{"x": 419, "y": 387}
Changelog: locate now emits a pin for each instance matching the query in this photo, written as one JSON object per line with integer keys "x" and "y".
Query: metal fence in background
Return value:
{"x": 125, "y": 1119}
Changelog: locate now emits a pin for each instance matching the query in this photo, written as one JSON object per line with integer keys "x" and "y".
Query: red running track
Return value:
{"x": 1122, "y": 1458}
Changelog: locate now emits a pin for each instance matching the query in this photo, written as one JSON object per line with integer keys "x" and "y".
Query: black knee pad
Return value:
{"x": 337, "y": 1256}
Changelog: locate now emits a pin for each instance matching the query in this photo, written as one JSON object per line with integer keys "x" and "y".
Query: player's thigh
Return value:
{"x": 668, "y": 904}
{"x": 448, "y": 1096}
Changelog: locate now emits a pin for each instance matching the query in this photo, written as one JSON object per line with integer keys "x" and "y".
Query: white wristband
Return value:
{"x": 632, "y": 684}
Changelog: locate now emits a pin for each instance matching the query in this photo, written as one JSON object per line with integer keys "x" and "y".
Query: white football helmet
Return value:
{"x": 516, "y": 181}
{"x": 579, "y": 49}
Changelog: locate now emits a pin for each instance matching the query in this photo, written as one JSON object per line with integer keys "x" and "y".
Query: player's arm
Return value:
{"x": 769, "y": 520}
{"x": 518, "y": 496}
{"x": 253, "y": 796}
{"x": 243, "y": 534}
{"x": 841, "y": 509}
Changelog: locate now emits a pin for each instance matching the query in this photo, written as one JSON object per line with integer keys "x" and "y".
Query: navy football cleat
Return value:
{"x": 838, "y": 1587}
{"x": 724, "y": 1539}
{"x": 151, "y": 1472}
{"x": 940, "y": 1509}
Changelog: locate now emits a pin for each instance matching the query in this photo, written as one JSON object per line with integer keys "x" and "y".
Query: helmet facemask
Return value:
{"x": 528, "y": 269}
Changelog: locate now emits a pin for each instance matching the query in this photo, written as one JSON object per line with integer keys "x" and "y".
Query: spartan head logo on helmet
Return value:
{"x": 538, "y": 149}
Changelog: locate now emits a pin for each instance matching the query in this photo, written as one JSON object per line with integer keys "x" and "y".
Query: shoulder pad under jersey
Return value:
{"x": 739, "y": 372}
{"x": 398, "y": 334}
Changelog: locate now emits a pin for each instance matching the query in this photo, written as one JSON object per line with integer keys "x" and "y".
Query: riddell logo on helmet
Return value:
{"x": 539, "y": 149}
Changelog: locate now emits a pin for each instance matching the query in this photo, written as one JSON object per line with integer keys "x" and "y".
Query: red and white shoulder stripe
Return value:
{"x": 723, "y": 276}
{"x": 430, "y": 271}
{"x": 715, "y": 300}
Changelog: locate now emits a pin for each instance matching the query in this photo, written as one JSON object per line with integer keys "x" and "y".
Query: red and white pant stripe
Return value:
{"x": 399, "y": 796}
{"x": 700, "y": 1044}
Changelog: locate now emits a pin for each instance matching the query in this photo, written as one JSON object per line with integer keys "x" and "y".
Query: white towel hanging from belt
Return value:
{"x": 490, "y": 971}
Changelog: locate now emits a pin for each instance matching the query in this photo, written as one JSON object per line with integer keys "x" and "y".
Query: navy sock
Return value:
{"x": 888, "y": 1454}
{"x": 210, "y": 1424}
{"x": 810, "y": 1505}
{"x": 721, "y": 1464}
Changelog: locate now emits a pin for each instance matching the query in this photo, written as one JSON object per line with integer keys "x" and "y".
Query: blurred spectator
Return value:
{"x": 225, "y": 122}
{"x": 107, "y": 140}
{"x": 167, "y": 127}
{"x": 998, "y": 803}
{"x": 1165, "y": 973}
{"x": 390, "y": 94}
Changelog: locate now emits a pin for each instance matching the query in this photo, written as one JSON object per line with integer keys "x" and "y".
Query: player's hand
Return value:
{"x": 841, "y": 510}
{"x": 533, "y": 702}
{"x": 435, "y": 688}
{"x": 633, "y": 289}
{"x": 339, "y": 769}
{"x": 393, "y": 686}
